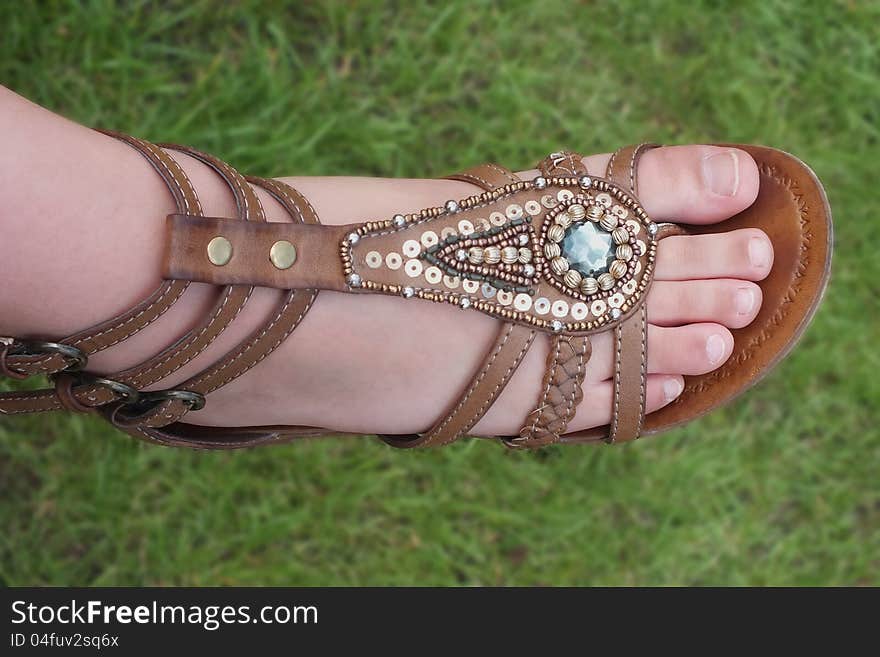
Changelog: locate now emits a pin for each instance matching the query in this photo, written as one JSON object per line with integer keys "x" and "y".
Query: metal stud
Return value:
{"x": 283, "y": 254}
{"x": 559, "y": 265}
{"x": 577, "y": 211}
{"x": 556, "y": 232}
{"x": 492, "y": 255}
{"x": 524, "y": 255}
{"x": 624, "y": 251}
{"x": 551, "y": 250}
{"x": 589, "y": 285}
{"x": 509, "y": 255}
{"x": 617, "y": 269}
{"x": 606, "y": 281}
{"x": 219, "y": 251}
{"x": 608, "y": 222}
{"x": 572, "y": 278}
{"x": 563, "y": 219}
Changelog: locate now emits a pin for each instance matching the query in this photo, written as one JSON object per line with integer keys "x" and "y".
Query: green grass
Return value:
{"x": 778, "y": 488}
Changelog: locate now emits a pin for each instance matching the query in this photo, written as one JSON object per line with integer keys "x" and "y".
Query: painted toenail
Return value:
{"x": 715, "y": 349}
{"x": 745, "y": 301}
{"x": 759, "y": 253}
{"x": 721, "y": 173}
{"x": 672, "y": 388}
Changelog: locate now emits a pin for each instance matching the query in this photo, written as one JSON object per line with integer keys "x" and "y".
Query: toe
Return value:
{"x": 745, "y": 254}
{"x": 730, "y": 302}
{"x": 692, "y": 184}
{"x": 692, "y": 349}
{"x": 661, "y": 389}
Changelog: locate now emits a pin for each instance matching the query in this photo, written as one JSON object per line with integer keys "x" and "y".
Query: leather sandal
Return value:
{"x": 568, "y": 254}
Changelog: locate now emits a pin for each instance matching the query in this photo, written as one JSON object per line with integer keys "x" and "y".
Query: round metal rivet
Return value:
{"x": 283, "y": 254}
{"x": 219, "y": 251}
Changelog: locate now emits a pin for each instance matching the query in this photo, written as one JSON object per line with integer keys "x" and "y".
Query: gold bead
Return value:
{"x": 283, "y": 254}
{"x": 563, "y": 219}
{"x": 606, "y": 281}
{"x": 624, "y": 251}
{"x": 595, "y": 212}
{"x": 608, "y": 222}
{"x": 524, "y": 255}
{"x": 589, "y": 285}
{"x": 551, "y": 250}
{"x": 559, "y": 265}
{"x": 556, "y": 233}
{"x": 509, "y": 255}
{"x": 219, "y": 251}
{"x": 577, "y": 211}
{"x": 617, "y": 269}
{"x": 492, "y": 255}
{"x": 475, "y": 255}
{"x": 620, "y": 236}
{"x": 572, "y": 278}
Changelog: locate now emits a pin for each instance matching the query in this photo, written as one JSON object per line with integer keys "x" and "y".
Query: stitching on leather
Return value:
{"x": 504, "y": 172}
{"x": 609, "y": 171}
{"x": 643, "y": 372}
{"x": 618, "y": 334}
{"x": 477, "y": 180}
{"x": 470, "y": 391}
{"x": 569, "y": 408}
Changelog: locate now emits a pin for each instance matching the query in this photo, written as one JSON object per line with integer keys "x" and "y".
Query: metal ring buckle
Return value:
{"x": 79, "y": 359}
{"x": 128, "y": 394}
{"x": 195, "y": 400}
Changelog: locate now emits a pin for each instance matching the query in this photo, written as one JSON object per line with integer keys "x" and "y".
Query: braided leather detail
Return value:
{"x": 560, "y": 394}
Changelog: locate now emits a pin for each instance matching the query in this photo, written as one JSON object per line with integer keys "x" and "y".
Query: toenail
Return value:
{"x": 672, "y": 388}
{"x": 715, "y": 348}
{"x": 759, "y": 253}
{"x": 745, "y": 301}
{"x": 721, "y": 172}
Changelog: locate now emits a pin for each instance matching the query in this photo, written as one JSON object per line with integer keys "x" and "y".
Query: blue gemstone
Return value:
{"x": 588, "y": 249}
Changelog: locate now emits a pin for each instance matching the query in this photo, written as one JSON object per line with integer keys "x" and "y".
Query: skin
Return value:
{"x": 82, "y": 220}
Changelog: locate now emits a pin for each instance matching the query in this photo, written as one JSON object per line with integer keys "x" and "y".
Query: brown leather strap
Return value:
{"x": 486, "y": 176}
{"x": 562, "y": 387}
{"x": 164, "y": 426}
{"x": 114, "y": 331}
{"x": 631, "y": 335}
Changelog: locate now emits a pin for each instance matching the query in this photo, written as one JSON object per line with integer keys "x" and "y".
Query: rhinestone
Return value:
{"x": 451, "y": 206}
{"x": 556, "y": 325}
{"x": 461, "y": 255}
{"x": 413, "y": 268}
{"x": 585, "y": 181}
{"x": 524, "y": 255}
{"x": 615, "y": 313}
{"x": 577, "y": 211}
{"x": 559, "y": 308}
{"x": 551, "y": 250}
{"x": 464, "y": 302}
{"x": 589, "y": 285}
{"x": 407, "y": 292}
{"x": 393, "y": 260}
{"x": 652, "y": 228}
{"x": 523, "y": 239}
{"x": 411, "y": 248}
{"x": 522, "y": 302}
{"x": 542, "y": 305}
{"x": 398, "y": 220}
{"x": 606, "y": 281}
{"x": 559, "y": 265}
{"x": 492, "y": 255}
{"x": 588, "y": 248}
{"x": 354, "y": 280}
{"x": 353, "y": 238}
{"x": 540, "y": 182}
{"x": 373, "y": 259}
{"x": 528, "y": 271}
